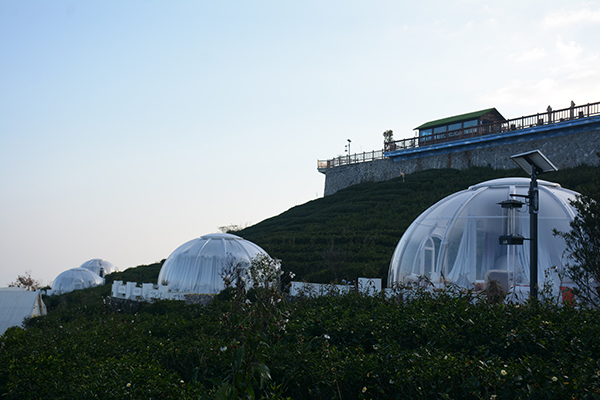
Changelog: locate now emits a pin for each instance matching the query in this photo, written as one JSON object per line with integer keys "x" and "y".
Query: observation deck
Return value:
{"x": 445, "y": 133}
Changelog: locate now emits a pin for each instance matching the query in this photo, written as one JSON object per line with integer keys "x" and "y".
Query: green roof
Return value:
{"x": 456, "y": 118}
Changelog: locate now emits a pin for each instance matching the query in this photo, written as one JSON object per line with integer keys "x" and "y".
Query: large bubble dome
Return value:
{"x": 99, "y": 266}
{"x": 75, "y": 279}
{"x": 198, "y": 265}
{"x": 457, "y": 239}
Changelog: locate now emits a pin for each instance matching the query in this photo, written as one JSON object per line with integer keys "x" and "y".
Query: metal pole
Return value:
{"x": 533, "y": 231}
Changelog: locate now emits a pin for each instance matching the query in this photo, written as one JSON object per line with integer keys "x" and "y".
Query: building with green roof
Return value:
{"x": 454, "y": 127}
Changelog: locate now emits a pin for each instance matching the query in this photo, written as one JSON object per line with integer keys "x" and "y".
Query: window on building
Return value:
{"x": 438, "y": 130}
{"x": 470, "y": 124}
{"x": 425, "y": 134}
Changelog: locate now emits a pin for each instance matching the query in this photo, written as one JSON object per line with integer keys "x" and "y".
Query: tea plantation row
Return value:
{"x": 447, "y": 346}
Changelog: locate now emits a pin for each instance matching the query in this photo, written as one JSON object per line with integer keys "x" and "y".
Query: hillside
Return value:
{"x": 355, "y": 231}
{"x": 258, "y": 345}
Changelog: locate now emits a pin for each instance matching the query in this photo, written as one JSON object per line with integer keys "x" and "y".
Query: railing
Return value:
{"x": 351, "y": 159}
{"x": 549, "y": 117}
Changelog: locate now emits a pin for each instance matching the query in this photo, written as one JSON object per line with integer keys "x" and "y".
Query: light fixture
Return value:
{"x": 511, "y": 230}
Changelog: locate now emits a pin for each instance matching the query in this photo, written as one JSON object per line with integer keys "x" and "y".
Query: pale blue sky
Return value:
{"x": 130, "y": 127}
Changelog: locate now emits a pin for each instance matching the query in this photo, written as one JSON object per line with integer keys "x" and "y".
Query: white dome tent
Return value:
{"x": 457, "y": 239}
{"x": 197, "y": 266}
{"x": 99, "y": 266}
{"x": 75, "y": 279}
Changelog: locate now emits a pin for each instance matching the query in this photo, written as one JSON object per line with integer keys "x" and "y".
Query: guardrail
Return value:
{"x": 529, "y": 121}
{"x": 350, "y": 159}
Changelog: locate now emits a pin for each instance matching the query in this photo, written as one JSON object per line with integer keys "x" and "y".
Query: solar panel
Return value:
{"x": 536, "y": 158}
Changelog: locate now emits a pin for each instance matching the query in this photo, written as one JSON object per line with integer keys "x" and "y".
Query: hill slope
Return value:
{"x": 355, "y": 231}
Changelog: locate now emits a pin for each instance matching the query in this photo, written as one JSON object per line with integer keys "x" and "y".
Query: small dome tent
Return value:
{"x": 75, "y": 279}
{"x": 16, "y": 304}
{"x": 457, "y": 239}
{"x": 99, "y": 266}
{"x": 198, "y": 265}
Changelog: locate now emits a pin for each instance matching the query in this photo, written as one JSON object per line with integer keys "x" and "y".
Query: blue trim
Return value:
{"x": 522, "y": 135}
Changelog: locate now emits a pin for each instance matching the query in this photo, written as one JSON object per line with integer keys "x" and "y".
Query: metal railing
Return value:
{"x": 539, "y": 119}
{"x": 350, "y": 159}
{"x": 549, "y": 117}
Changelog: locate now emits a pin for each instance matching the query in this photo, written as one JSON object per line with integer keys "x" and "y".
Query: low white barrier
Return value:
{"x": 150, "y": 291}
{"x": 368, "y": 286}
{"x": 147, "y": 291}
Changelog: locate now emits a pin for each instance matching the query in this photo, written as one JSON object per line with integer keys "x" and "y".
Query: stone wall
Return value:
{"x": 565, "y": 148}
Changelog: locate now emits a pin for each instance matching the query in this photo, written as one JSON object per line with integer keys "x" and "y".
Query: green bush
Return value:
{"x": 445, "y": 345}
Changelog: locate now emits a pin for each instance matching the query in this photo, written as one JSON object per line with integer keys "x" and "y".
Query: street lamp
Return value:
{"x": 347, "y": 148}
{"x": 534, "y": 163}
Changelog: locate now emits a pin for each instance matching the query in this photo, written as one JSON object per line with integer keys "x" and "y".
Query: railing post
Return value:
{"x": 572, "y": 110}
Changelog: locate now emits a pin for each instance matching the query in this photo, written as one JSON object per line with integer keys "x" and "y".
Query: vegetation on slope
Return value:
{"x": 350, "y": 347}
{"x": 257, "y": 345}
{"x": 354, "y": 232}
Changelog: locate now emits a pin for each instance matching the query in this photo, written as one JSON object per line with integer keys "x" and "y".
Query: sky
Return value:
{"x": 128, "y": 128}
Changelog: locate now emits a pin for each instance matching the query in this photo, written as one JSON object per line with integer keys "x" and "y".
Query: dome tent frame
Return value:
{"x": 75, "y": 279}
{"x": 201, "y": 265}
{"x": 99, "y": 267}
{"x": 456, "y": 240}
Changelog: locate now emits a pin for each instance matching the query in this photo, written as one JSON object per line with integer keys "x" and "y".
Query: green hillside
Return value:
{"x": 258, "y": 345}
{"x": 354, "y": 232}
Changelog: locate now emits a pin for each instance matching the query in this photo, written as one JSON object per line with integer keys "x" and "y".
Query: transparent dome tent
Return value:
{"x": 198, "y": 265}
{"x": 457, "y": 239}
{"x": 75, "y": 279}
{"x": 99, "y": 266}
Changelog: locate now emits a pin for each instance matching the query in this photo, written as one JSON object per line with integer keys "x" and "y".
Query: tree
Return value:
{"x": 26, "y": 281}
{"x": 583, "y": 246}
{"x": 388, "y": 136}
{"x": 388, "y": 140}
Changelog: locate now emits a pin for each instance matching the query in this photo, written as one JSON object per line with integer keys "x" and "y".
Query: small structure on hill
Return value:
{"x": 457, "y": 239}
{"x": 99, "y": 266}
{"x": 16, "y": 304}
{"x": 201, "y": 265}
{"x": 452, "y": 128}
{"x": 75, "y": 279}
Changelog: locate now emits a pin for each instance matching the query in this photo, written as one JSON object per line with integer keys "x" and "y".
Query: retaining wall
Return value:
{"x": 565, "y": 144}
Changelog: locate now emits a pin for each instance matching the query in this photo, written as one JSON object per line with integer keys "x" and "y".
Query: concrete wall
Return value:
{"x": 565, "y": 144}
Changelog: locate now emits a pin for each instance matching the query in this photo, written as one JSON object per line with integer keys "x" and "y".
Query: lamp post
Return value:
{"x": 347, "y": 148}
{"x": 534, "y": 206}
{"x": 534, "y": 163}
